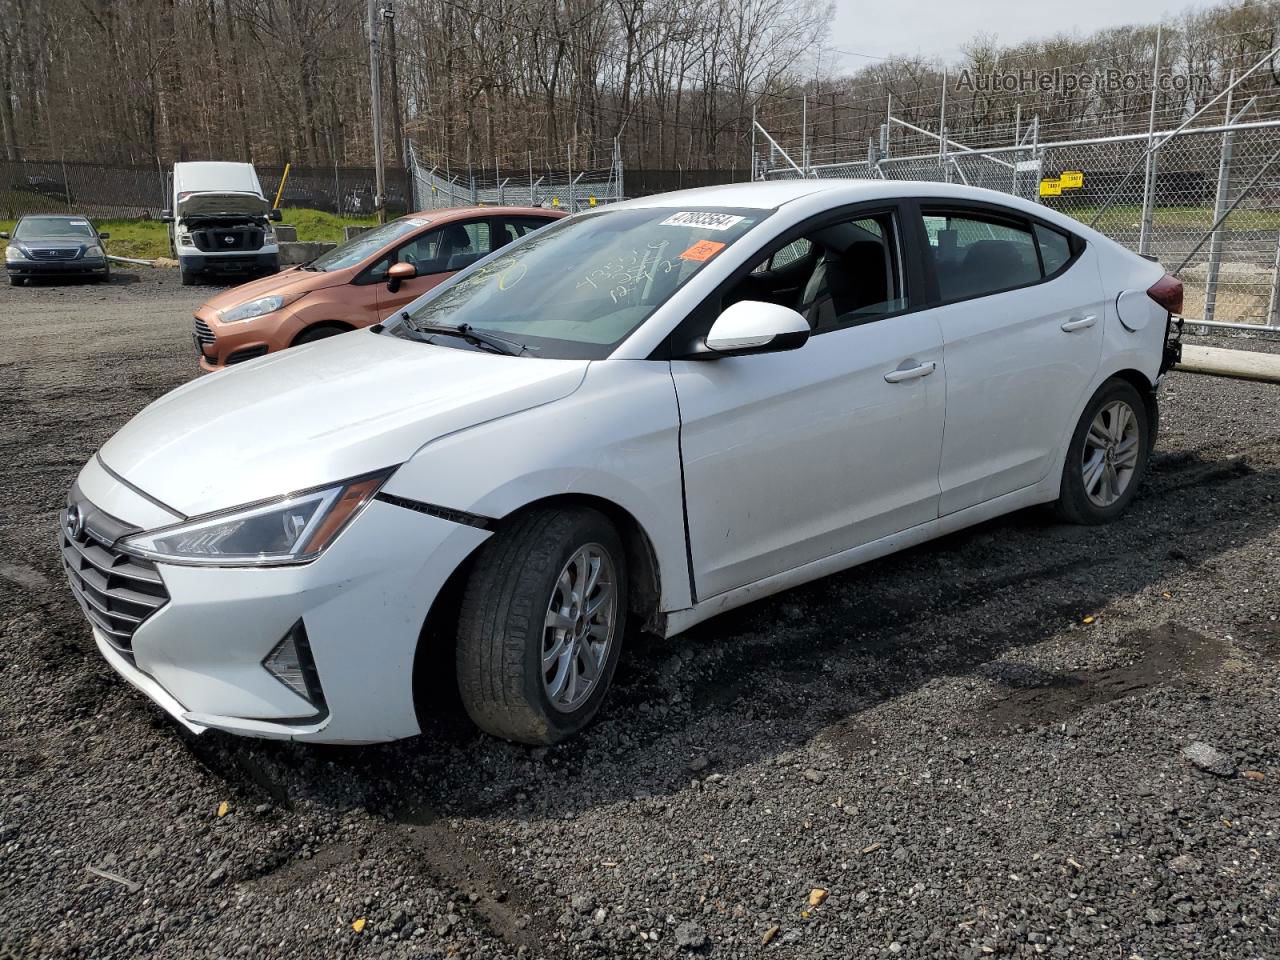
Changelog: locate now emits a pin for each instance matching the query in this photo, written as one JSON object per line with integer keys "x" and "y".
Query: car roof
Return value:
{"x": 445, "y": 214}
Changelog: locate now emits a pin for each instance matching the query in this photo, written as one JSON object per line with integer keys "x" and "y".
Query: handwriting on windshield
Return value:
{"x": 626, "y": 273}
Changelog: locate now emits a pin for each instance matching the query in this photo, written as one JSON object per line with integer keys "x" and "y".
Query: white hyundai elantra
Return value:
{"x": 632, "y": 419}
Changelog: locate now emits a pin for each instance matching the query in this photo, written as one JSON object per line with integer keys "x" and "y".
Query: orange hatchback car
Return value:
{"x": 357, "y": 283}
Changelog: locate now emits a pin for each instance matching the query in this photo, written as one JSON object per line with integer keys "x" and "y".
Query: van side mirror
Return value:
{"x": 277, "y": 215}
{"x": 753, "y": 326}
{"x": 399, "y": 273}
{"x": 104, "y": 236}
{"x": 166, "y": 216}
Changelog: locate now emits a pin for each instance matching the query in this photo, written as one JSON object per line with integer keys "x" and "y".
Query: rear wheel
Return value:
{"x": 1107, "y": 456}
{"x": 541, "y": 625}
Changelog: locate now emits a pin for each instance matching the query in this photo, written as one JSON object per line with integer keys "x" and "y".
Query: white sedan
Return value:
{"x": 631, "y": 420}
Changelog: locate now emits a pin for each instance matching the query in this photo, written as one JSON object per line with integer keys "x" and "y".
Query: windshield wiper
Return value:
{"x": 469, "y": 333}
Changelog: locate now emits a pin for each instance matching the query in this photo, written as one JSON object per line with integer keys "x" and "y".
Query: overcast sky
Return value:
{"x": 939, "y": 28}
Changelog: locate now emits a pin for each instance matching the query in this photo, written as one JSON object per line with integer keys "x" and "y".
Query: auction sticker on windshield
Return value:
{"x": 702, "y": 250}
{"x": 704, "y": 219}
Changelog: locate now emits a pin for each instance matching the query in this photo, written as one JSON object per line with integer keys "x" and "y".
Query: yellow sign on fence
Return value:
{"x": 1050, "y": 187}
{"x": 591, "y": 201}
{"x": 555, "y": 201}
{"x": 1070, "y": 179}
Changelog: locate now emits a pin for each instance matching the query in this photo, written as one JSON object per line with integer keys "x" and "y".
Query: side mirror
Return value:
{"x": 753, "y": 326}
{"x": 166, "y": 216}
{"x": 277, "y": 215}
{"x": 104, "y": 236}
{"x": 399, "y": 273}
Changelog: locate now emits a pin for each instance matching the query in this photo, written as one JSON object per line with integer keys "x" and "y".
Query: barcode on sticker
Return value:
{"x": 708, "y": 221}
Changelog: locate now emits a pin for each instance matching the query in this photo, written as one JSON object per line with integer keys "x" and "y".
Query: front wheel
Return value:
{"x": 541, "y": 625}
{"x": 189, "y": 279}
{"x": 16, "y": 281}
{"x": 1107, "y": 456}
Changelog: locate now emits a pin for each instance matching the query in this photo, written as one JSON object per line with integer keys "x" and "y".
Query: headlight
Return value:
{"x": 12, "y": 254}
{"x": 93, "y": 250}
{"x": 291, "y": 529}
{"x": 251, "y": 309}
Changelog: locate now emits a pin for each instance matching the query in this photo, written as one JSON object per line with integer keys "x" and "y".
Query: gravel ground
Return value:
{"x": 1024, "y": 739}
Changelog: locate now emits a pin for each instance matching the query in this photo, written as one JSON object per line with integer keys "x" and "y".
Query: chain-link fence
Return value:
{"x": 1225, "y": 175}
{"x": 129, "y": 191}
{"x": 441, "y": 186}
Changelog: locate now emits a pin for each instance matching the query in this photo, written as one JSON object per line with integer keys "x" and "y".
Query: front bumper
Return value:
{"x": 221, "y": 345}
{"x": 363, "y": 603}
{"x": 230, "y": 263}
{"x": 81, "y": 266}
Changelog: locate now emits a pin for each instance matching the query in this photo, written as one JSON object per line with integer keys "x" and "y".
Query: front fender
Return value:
{"x": 616, "y": 438}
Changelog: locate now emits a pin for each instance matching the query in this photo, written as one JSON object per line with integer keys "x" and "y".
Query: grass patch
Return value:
{"x": 149, "y": 239}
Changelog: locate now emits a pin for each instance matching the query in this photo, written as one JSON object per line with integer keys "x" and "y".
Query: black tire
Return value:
{"x": 105, "y": 276}
{"x": 502, "y": 617}
{"x": 189, "y": 279}
{"x": 15, "y": 281}
{"x": 1074, "y": 504}
{"x": 312, "y": 334}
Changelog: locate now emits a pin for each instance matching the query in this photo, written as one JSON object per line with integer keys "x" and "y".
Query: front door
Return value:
{"x": 437, "y": 254}
{"x": 795, "y": 456}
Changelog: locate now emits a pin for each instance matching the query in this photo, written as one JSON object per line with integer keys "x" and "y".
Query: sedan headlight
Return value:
{"x": 93, "y": 250}
{"x": 291, "y": 529}
{"x": 252, "y": 308}
{"x": 13, "y": 254}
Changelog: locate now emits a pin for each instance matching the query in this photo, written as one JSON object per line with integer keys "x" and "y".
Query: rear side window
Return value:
{"x": 975, "y": 255}
{"x": 1055, "y": 248}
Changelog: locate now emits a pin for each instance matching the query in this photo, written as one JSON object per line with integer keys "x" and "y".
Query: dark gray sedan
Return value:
{"x": 49, "y": 245}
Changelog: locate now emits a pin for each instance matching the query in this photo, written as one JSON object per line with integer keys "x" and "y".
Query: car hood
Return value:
{"x": 210, "y": 203}
{"x": 289, "y": 282}
{"x": 51, "y": 243}
{"x": 318, "y": 413}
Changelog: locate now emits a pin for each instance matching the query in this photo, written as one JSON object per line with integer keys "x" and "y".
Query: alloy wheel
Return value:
{"x": 1110, "y": 455}
{"x": 580, "y": 626}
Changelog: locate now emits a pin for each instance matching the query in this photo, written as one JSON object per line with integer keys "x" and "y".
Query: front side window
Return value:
{"x": 836, "y": 275}
{"x": 578, "y": 288}
{"x": 975, "y": 255}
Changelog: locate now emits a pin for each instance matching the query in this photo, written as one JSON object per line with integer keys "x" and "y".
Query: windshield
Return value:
{"x": 54, "y": 227}
{"x": 579, "y": 287}
{"x": 360, "y": 248}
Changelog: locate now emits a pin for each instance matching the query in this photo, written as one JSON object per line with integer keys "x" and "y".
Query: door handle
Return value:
{"x": 1079, "y": 323}
{"x": 910, "y": 373}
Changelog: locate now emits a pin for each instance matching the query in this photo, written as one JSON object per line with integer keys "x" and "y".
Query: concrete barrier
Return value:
{"x": 286, "y": 233}
{"x": 349, "y": 232}
{"x": 291, "y": 253}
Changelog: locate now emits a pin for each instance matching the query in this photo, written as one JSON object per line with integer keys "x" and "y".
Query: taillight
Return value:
{"x": 1167, "y": 291}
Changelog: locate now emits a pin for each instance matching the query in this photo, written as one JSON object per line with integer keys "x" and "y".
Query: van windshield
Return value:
{"x": 579, "y": 287}
{"x": 360, "y": 248}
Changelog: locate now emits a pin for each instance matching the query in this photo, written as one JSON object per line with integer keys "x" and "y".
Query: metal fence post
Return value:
{"x": 1149, "y": 185}
{"x": 1273, "y": 308}
{"x": 1220, "y": 201}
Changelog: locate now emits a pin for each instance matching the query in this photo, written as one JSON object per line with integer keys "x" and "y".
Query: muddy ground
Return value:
{"x": 975, "y": 747}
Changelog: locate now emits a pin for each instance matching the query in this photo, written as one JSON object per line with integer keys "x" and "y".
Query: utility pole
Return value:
{"x": 397, "y": 121}
{"x": 375, "y": 103}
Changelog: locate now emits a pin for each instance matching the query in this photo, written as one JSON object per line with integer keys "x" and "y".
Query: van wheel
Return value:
{"x": 312, "y": 334}
{"x": 1107, "y": 457}
{"x": 541, "y": 624}
{"x": 189, "y": 279}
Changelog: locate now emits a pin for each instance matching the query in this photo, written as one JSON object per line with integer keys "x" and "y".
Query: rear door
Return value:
{"x": 1020, "y": 307}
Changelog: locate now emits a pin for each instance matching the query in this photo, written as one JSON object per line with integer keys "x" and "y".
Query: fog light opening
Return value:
{"x": 291, "y": 663}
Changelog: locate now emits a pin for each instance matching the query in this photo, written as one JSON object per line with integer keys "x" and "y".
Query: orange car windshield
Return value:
{"x": 360, "y": 248}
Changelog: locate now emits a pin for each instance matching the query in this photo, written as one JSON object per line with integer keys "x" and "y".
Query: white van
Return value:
{"x": 219, "y": 220}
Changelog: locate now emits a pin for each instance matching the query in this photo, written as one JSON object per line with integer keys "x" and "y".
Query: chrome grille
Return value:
{"x": 48, "y": 253}
{"x": 204, "y": 334}
{"x": 116, "y": 591}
